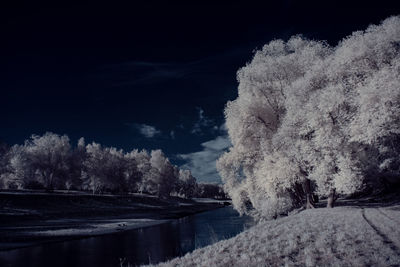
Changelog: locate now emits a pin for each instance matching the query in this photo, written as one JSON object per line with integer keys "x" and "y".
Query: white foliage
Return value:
{"x": 308, "y": 110}
{"x": 164, "y": 176}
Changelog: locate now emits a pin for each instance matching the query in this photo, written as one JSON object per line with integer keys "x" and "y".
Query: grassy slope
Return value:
{"x": 356, "y": 234}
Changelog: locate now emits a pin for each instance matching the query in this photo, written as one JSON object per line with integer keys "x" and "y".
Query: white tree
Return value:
{"x": 48, "y": 162}
{"x": 147, "y": 172}
{"x": 19, "y": 172}
{"x": 48, "y": 156}
{"x": 304, "y": 113}
{"x": 164, "y": 175}
{"x": 354, "y": 106}
{"x": 76, "y": 166}
{"x": 210, "y": 190}
{"x": 133, "y": 174}
{"x": 376, "y": 125}
{"x": 254, "y": 118}
{"x": 186, "y": 185}
{"x": 105, "y": 169}
{"x": 4, "y": 164}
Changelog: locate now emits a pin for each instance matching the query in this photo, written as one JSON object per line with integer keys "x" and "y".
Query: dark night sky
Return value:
{"x": 102, "y": 71}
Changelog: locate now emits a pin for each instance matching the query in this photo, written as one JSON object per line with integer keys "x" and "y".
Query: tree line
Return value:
{"x": 315, "y": 120}
{"x": 50, "y": 162}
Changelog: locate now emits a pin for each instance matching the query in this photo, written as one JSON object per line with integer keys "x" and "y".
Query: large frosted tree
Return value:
{"x": 257, "y": 171}
{"x": 312, "y": 115}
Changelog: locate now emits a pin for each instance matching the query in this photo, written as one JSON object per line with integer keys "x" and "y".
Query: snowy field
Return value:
{"x": 364, "y": 235}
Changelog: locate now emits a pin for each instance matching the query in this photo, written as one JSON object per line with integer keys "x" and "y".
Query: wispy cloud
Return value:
{"x": 203, "y": 163}
{"x": 147, "y": 131}
{"x": 146, "y": 72}
{"x": 153, "y": 72}
{"x": 202, "y": 121}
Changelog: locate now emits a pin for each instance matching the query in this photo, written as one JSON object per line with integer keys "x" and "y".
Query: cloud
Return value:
{"x": 147, "y": 131}
{"x": 203, "y": 121}
{"x": 152, "y": 72}
{"x": 203, "y": 163}
{"x": 146, "y": 72}
{"x": 172, "y": 134}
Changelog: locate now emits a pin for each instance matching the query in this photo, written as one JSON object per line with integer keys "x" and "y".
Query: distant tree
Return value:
{"x": 4, "y": 163}
{"x": 186, "y": 184}
{"x": 48, "y": 155}
{"x": 18, "y": 171}
{"x": 210, "y": 190}
{"x": 133, "y": 174}
{"x": 49, "y": 162}
{"x": 76, "y": 166}
{"x": 104, "y": 169}
{"x": 164, "y": 175}
{"x": 147, "y": 183}
{"x": 42, "y": 162}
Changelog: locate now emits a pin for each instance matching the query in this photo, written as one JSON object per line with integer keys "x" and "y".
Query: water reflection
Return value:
{"x": 141, "y": 246}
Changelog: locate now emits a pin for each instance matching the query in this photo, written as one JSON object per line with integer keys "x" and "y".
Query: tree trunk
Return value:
{"x": 310, "y": 203}
{"x": 51, "y": 181}
{"x": 48, "y": 183}
{"x": 331, "y": 198}
{"x": 307, "y": 190}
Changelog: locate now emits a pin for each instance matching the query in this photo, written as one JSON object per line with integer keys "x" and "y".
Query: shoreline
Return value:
{"x": 60, "y": 218}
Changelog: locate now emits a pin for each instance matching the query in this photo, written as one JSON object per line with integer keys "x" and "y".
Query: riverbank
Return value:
{"x": 356, "y": 233}
{"x": 32, "y": 218}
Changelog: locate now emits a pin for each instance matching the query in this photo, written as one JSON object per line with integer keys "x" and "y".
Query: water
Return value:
{"x": 141, "y": 246}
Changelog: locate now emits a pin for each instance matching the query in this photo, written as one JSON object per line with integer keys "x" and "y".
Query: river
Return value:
{"x": 140, "y": 246}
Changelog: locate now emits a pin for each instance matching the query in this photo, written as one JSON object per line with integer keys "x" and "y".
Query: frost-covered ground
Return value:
{"x": 99, "y": 227}
{"x": 211, "y": 200}
{"x": 354, "y": 235}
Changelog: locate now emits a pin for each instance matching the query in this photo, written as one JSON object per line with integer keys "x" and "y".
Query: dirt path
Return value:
{"x": 385, "y": 227}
